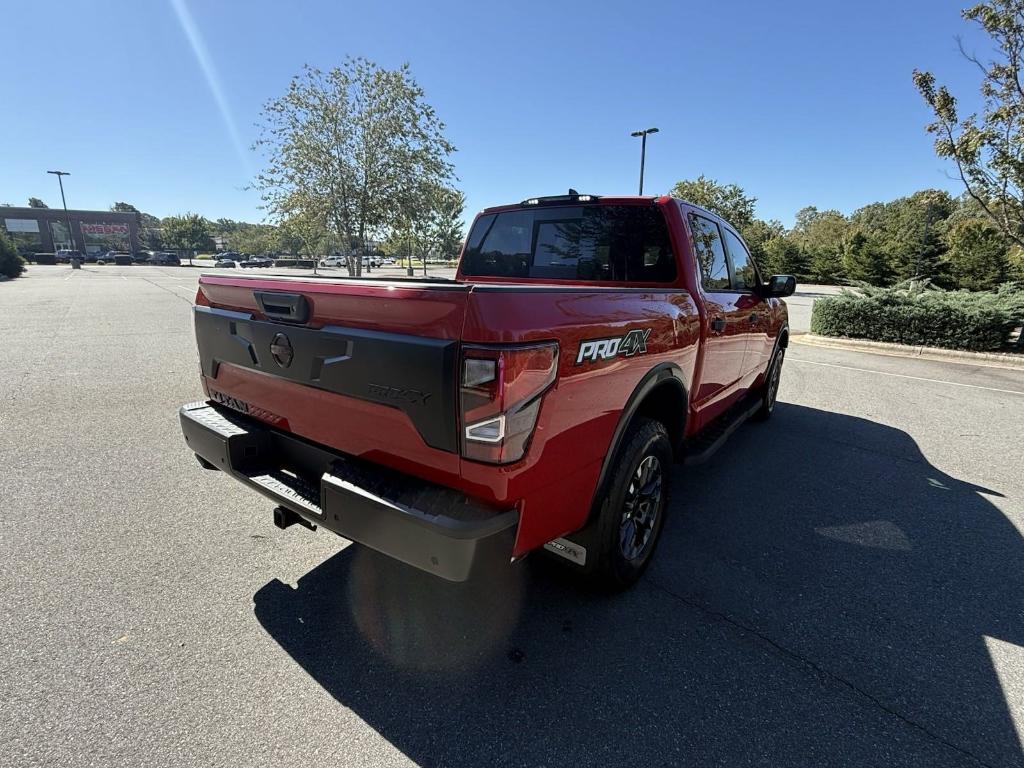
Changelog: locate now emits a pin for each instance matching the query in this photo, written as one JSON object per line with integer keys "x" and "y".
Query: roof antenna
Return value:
{"x": 573, "y": 192}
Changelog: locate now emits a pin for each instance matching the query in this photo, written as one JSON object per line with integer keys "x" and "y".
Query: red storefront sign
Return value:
{"x": 104, "y": 229}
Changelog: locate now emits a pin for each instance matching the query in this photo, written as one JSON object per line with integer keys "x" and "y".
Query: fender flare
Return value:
{"x": 658, "y": 375}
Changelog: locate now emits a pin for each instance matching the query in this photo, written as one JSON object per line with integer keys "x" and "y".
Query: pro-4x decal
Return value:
{"x": 570, "y": 550}
{"x": 633, "y": 343}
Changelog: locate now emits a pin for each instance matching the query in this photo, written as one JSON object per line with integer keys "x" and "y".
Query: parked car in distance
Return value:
{"x": 165, "y": 259}
{"x": 538, "y": 401}
{"x": 258, "y": 261}
{"x": 334, "y": 261}
{"x": 65, "y": 256}
{"x": 223, "y": 263}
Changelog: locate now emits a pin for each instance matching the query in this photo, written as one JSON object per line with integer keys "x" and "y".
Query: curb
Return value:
{"x": 991, "y": 359}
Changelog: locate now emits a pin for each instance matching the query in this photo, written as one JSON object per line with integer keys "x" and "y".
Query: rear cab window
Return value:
{"x": 612, "y": 243}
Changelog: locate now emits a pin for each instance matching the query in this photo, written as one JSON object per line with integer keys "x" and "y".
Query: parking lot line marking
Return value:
{"x": 905, "y": 376}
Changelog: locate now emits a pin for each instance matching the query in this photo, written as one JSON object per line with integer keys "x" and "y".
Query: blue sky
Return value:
{"x": 798, "y": 102}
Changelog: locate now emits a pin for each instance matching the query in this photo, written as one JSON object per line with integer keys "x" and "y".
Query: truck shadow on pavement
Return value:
{"x": 821, "y": 595}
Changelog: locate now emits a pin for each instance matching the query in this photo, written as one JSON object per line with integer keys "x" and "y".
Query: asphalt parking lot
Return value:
{"x": 841, "y": 586}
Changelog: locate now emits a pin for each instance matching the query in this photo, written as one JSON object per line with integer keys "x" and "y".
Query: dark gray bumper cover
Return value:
{"x": 433, "y": 528}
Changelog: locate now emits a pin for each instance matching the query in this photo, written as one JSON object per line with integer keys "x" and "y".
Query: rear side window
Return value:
{"x": 710, "y": 253}
{"x": 592, "y": 242}
{"x": 744, "y": 276}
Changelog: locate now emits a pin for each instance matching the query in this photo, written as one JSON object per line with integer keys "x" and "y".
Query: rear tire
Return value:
{"x": 770, "y": 389}
{"x": 632, "y": 512}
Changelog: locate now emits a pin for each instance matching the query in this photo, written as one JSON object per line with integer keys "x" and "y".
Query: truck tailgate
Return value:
{"x": 366, "y": 367}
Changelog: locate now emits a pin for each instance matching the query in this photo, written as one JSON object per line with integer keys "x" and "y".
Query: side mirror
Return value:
{"x": 780, "y": 286}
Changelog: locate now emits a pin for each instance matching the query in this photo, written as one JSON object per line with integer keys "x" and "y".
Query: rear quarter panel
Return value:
{"x": 556, "y": 480}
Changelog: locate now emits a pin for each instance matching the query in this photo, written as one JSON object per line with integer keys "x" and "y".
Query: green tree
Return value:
{"x": 757, "y": 234}
{"x": 907, "y": 233}
{"x": 35, "y": 202}
{"x": 864, "y": 260}
{"x": 226, "y": 226}
{"x": 255, "y": 238}
{"x": 783, "y": 257}
{"x": 343, "y": 145}
{"x": 151, "y": 231}
{"x": 915, "y": 245}
{"x": 820, "y": 236}
{"x": 977, "y": 255}
{"x": 304, "y": 233}
{"x": 727, "y": 200}
{"x": 988, "y": 150}
{"x": 1015, "y": 263}
{"x": 445, "y": 229}
{"x": 145, "y": 236}
{"x": 187, "y": 232}
{"x": 11, "y": 264}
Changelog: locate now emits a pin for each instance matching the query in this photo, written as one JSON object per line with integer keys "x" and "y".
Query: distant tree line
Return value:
{"x": 196, "y": 233}
{"x": 926, "y": 234}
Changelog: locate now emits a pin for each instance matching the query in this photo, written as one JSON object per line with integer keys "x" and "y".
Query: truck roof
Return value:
{"x": 583, "y": 199}
{"x": 586, "y": 199}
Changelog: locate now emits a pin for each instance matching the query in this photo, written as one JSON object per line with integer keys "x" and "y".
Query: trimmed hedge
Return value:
{"x": 918, "y": 314}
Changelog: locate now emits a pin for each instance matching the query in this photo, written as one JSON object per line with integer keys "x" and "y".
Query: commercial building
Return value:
{"x": 45, "y": 230}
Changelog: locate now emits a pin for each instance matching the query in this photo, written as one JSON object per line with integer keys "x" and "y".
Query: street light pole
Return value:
{"x": 67, "y": 217}
{"x": 643, "y": 151}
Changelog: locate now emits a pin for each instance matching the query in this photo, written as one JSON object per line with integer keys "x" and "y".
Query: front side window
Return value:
{"x": 710, "y": 253}
{"x": 744, "y": 276}
{"x": 625, "y": 243}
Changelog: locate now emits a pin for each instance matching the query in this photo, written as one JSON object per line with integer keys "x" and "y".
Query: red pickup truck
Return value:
{"x": 538, "y": 400}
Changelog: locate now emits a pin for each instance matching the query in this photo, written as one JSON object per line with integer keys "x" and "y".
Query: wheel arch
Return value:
{"x": 660, "y": 395}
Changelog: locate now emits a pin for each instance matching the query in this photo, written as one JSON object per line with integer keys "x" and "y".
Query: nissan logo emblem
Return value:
{"x": 281, "y": 349}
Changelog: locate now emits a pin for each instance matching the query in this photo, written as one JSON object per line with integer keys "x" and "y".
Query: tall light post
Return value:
{"x": 67, "y": 218}
{"x": 643, "y": 151}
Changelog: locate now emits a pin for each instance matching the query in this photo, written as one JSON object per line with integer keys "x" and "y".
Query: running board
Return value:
{"x": 703, "y": 445}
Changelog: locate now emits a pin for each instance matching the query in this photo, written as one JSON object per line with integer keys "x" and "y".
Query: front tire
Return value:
{"x": 770, "y": 390}
{"x": 632, "y": 511}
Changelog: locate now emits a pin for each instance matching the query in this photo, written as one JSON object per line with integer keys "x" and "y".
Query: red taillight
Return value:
{"x": 501, "y": 392}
